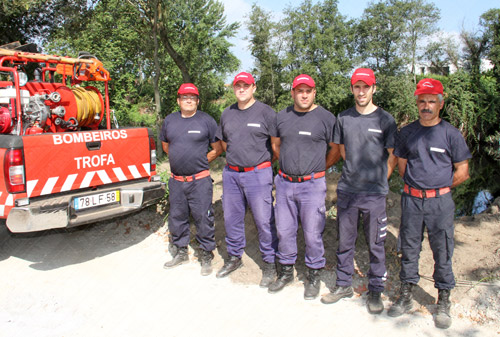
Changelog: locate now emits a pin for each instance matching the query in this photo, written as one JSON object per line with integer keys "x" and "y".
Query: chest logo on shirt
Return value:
{"x": 305, "y": 133}
{"x": 254, "y": 125}
{"x": 194, "y": 131}
{"x": 375, "y": 130}
{"x": 437, "y": 149}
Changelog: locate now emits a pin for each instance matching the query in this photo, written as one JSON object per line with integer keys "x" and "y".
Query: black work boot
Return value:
{"x": 180, "y": 257}
{"x": 285, "y": 276}
{"x": 443, "y": 318}
{"x": 405, "y": 301}
{"x": 312, "y": 285}
{"x": 336, "y": 294}
{"x": 206, "y": 258}
{"x": 268, "y": 274}
{"x": 374, "y": 302}
{"x": 230, "y": 265}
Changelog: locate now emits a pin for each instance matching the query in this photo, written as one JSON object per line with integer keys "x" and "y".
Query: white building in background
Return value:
{"x": 424, "y": 68}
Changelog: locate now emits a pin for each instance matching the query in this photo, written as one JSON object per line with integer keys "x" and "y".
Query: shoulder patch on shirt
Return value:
{"x": 194, "y": 131}
{"x": 254, "y": 125}
{"x": 306, "y": 133}
{"x": 375, "y": 130}
{"x": 437, "y": 149}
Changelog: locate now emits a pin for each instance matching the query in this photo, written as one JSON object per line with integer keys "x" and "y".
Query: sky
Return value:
{"x": 455, "y": 14}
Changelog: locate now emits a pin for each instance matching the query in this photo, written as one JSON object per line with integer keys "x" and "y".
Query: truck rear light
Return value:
{"x": 152, "y": 149}
{"x": 16, "y": 175}
{"x": 14, "y": 171}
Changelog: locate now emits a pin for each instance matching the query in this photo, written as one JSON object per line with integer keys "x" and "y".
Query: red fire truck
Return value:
{"x": 60, "y": 167}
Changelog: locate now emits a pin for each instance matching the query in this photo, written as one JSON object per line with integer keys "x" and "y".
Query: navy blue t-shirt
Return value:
{"x": 431, "y": 153}
{"x": 247, "y": 134}
{"x": 366, "y": 139}
{"x": 304, "y": 140}
{"x": 188, "y": 141}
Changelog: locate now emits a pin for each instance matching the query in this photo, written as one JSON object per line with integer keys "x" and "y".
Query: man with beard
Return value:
{"x": 432, "y": 159}
{"x": 366, "y": 135}
{"x": 305, "y": 150}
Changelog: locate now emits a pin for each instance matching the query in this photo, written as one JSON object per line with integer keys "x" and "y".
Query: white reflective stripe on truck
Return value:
{"x": 106, "y": 177}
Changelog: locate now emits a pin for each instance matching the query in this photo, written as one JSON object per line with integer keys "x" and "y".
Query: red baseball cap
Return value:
{"x": 245, "y": 77}
{"x": 363, "y": 74}
{"x": 303, "y": 79}
{"x": 188, "y": 88}
{"x": 429, "y": 86}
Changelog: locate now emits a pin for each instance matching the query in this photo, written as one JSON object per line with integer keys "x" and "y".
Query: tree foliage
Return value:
{"x": 266, "y": 46}
{"x": 420, "y": 20}
{"x": 490, "y": 22}
{"x": 12, "y": 21}
{"x": 111, "y": 34}
{"x": 195, "y": 36}
{"x": 395, "y": 95}
{"x": 390, "y": 31}
{"x": 380, "y": 37}
{"x": 442, "y": 55}
{"x": 117, "y": 32}
{"x": 35, "y": 20}
{"x": 319, "y": 41}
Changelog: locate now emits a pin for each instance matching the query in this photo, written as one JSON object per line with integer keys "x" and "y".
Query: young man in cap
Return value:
{"x": 432, "y": 159}
{"x": 305, "y": 149}
{"x": 365, "y": 134}
{"x": 245, "y": 130}
{"x": 186, "y": 136}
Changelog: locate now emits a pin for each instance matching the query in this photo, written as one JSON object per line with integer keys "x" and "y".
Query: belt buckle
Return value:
{"x": 184, "y": 178}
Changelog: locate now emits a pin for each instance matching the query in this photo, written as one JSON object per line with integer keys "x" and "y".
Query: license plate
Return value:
{"x": 96, "y": 200}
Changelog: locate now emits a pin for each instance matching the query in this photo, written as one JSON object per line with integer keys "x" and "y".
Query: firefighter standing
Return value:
{"x": 366, "y": 135}
{"x": 245, "y": 129}
{"x": 305, "y": 132}
{"x": 186, "y": 136}
{"x": 432, "y": 159}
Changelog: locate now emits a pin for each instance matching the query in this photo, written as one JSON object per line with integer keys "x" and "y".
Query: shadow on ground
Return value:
{"x": 57, "y": 248}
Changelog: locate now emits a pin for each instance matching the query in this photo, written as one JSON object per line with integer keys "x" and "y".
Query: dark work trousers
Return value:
{"x": 304, "y": 201}
{"x": 372, "y": 209}
{"x": 253, "y": 189}
{"x": 435, "y": 214}
{"x": 193, "y": 197}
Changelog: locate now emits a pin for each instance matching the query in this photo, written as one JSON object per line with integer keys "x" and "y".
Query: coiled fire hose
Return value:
{"x": 89, "y": 105}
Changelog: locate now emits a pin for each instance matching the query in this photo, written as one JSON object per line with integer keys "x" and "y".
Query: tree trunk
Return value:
{"x": 178, "y": 60}
{"x": 156, "y": 81}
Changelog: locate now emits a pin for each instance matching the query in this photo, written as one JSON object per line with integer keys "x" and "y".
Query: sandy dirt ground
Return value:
{"x": 107, "y": 279}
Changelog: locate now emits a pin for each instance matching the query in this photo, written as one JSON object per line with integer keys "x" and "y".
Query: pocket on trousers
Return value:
{"x": 321, "y": 218}
{"x": 269, "y": 200}
{"x": 211, "y": 216}
{"x": 381, "y": 230}
{"x": 322, "y": 210}
{"x": 450, "y": 242}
